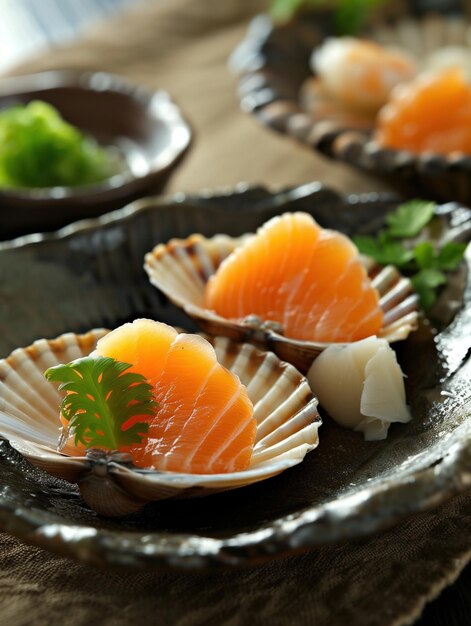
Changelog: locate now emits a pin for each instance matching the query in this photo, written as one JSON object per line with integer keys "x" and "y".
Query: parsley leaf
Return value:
{"x": 450, "y": 255}
{"x": 349, "y": 15}
{"x": 101, "y": 398}
{"x": 425, "y": 283}
{"x": 425, "y": 263}
{"x": 424, "y": 254}
{"x": 385, "y": 252}
{"x": 284, "y": 10}
{"x": 409, "y": 219}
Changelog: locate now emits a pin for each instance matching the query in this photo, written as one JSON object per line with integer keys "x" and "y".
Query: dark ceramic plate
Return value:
{"x": 274, "y": 76}
{"x": 91, "y": 275}
{"x": 145, "y": 128}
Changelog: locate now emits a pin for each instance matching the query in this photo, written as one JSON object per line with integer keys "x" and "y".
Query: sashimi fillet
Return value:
{"x": 308, "y": 279}
{"x": 204, "y": 420}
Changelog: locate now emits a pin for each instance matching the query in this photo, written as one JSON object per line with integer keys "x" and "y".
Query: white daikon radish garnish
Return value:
{"x": 361, "y": 386}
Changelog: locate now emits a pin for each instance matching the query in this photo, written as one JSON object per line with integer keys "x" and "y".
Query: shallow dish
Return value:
{"x": 284, "y": 408}
{"x": 274, "y": 74}
{"x": 146, "y": 129}
{"x": 181, "y": 269}
{"x": 91, "y": 275}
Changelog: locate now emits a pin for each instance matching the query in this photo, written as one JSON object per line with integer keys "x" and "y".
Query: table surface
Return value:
{"x": 183, "y": 46}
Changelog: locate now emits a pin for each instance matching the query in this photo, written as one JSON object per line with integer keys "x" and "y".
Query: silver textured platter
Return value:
{"x": 90, "y": 274}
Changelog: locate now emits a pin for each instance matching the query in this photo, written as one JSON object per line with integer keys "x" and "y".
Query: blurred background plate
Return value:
{"x": 90, "y": 274}
{"x": 147, "y": 129}
{"x": 273, "y": 67}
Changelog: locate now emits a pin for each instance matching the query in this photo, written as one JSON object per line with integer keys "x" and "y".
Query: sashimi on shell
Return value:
{"x": 204, "y": 419}
{"x": 306, "y": 278}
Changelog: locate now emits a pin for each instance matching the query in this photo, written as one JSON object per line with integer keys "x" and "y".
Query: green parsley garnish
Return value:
{"x": 102, "y": 396}
{"x": 409, "y": 218}
{"x": 425, "y": 263}
{"x": 39, "y": 149}
{"x": 426, "y": 283}
{"x": 349, "y": 15}
{"x": 384, "y": 250}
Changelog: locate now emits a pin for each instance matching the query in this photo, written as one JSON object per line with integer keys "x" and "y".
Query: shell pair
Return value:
{"x": 284, "y": 407}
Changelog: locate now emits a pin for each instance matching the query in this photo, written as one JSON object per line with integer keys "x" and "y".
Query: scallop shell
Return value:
{"x": 181, "y": 269}
{"x": 284, "y": 407}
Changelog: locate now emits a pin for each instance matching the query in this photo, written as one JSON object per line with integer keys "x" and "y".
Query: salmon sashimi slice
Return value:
{"x": 204, "y": 421}
{"x": 431, "y": 113}
{"x": 308, "y": 279}
{"x": 143, "y": 343}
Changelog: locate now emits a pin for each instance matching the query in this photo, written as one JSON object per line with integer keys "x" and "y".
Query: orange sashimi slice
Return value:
{"x": 308, "y": 279}
{"x": 143, "y": 343}
{"x": 204, "y": 422}
{"x": 431, "y": 113}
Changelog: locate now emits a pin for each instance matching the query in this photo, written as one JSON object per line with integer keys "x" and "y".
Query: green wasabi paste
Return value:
{"x": 39, "y": 149}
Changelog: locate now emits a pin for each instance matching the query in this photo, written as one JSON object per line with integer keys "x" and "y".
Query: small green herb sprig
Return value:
{"x": 349, "y": 15}
{"x": 424, "y": 262}
{"x": 101, "y": 397}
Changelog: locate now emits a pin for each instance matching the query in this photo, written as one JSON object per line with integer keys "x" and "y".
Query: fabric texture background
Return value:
{"x": 183, "y": 46}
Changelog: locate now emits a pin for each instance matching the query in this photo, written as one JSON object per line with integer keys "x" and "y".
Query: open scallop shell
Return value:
{"x": 284, "y": 407}
{"x": 181, "y": 269}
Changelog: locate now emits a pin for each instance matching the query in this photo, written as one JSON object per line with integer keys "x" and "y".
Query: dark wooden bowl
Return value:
{"x": 147, "y": 129}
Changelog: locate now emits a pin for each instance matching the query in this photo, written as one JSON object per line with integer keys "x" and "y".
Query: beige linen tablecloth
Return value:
{"x": 183, "y": 46}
